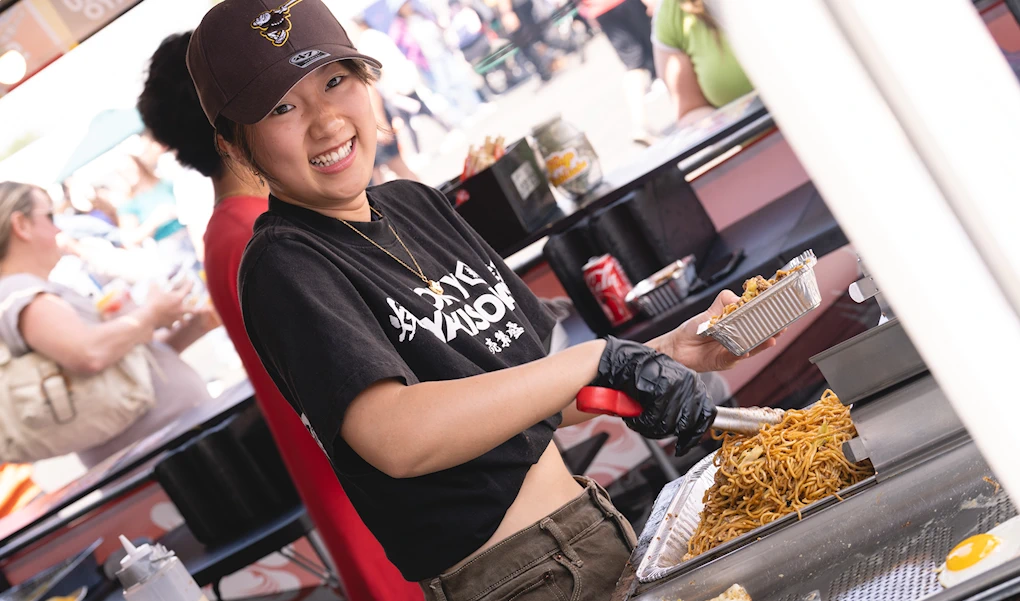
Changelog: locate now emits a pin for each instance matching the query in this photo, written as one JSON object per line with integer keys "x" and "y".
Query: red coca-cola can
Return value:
{"x": 610, "y": 285}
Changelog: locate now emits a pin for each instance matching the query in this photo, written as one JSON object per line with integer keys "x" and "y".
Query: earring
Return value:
{"x": 258, "y": 174}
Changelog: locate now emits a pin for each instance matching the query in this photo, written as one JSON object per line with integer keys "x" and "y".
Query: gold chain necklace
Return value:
{"x": 433, "y": 285}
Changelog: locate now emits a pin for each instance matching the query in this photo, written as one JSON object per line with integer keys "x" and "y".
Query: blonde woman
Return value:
{"x": 52, "y": 320}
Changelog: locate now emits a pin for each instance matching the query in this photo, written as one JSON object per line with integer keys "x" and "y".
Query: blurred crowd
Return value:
{"x": 124, "y": 222}
{"x": 442, "y": 65}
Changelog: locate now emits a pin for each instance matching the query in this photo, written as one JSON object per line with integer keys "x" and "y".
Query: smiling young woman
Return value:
{"x": 414, "y": 356}
{"x": 330, "y": 146}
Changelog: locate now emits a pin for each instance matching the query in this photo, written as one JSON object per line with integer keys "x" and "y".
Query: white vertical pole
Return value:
{"x": 911, "y": 150}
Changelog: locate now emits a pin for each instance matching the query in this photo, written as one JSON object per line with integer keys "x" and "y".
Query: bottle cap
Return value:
{"x": 136, "y": 565}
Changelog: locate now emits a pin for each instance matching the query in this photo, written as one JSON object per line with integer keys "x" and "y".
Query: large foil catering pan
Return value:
{"x": 665, "y": 555}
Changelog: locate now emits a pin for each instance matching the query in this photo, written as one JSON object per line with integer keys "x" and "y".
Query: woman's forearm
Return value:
{"x": 573, "y": 416}
{"x": 53, "y": 328}
{"x": 408, "y": 431}
{"x": 112, "y": 340}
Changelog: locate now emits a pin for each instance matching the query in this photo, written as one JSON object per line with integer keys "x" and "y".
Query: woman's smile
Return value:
{"x": 336, "y": 159}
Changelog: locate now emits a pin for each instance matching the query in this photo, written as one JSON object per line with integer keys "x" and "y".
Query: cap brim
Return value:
{"x": 257, "y": 99}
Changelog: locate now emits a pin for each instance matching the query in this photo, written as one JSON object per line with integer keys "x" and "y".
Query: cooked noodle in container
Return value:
{"x": 784, "y": 472}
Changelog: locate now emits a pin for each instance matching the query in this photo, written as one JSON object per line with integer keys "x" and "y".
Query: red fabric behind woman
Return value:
{"x": 366, "y": 573}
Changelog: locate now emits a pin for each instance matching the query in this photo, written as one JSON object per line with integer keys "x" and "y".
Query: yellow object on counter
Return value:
{"x": 16, "y": 487}
{"x": 76, "y": 595}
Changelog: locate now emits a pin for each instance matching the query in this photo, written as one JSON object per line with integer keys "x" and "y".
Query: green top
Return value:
{"x": 720, "y": 76}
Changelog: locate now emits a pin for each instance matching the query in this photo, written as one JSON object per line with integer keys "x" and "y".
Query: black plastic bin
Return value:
{"x": 507, "y": 201}
{"x": 228, "y": 480}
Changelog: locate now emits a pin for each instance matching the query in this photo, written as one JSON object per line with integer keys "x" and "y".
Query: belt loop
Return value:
{"x": 550, "y": 526}
{"x": 600, "y": 498}
{"x": 437, "y": 589}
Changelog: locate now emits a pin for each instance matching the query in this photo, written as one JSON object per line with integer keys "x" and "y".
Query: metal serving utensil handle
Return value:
{"x": 745, "y": 420}
{"x": 592, "y": 399}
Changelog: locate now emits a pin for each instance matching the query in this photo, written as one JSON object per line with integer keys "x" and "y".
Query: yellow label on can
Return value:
{"x": 565, "y": 166}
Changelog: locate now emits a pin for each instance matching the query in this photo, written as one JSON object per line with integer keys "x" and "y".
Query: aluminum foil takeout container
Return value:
{"x": 765, "y": 315}
{"x": 663, "y": 289}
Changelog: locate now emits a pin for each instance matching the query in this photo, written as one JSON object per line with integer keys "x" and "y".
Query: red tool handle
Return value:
{"x": 606, "y": 401}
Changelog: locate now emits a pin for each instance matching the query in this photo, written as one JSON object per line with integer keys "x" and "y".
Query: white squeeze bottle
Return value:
{"x": 153, "y": 573}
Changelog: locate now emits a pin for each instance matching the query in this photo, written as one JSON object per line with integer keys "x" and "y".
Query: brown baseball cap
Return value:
{"x": 246, "y": 55}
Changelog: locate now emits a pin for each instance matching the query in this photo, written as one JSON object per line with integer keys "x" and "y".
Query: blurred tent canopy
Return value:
{"x": 106, "y": 130}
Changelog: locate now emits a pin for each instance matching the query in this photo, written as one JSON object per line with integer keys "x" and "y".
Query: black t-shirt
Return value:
{"x": 330, "y": 314}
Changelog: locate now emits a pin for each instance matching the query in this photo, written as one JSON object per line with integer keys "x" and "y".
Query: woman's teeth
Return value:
{"x": 327, "y": 159}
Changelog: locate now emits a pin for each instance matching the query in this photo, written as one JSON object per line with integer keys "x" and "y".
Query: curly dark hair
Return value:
{"x": 171, "y": 110}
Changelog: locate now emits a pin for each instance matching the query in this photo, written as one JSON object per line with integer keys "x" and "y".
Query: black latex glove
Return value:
{"x": 674, "y": 399}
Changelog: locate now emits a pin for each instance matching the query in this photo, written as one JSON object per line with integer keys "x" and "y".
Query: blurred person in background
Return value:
{"x": 447, "y": 73}
{"x": 525, "y": 31}
{"x": 151, "y": 212}
{"x": 389, "y": 160}
{"x": 102, "y": 205}
{"x": 85, "y": 212}
{"x": 398, "y": 83}
{"x": 170, "y": 109}
{"x": 466, "y": 27}
{"x": 94, "y": 254}
{"x": 629, "y": 28}
{"x": 82, "y": 199}
{"x": 37, "y": 314}
{"x": 695, "y": 61}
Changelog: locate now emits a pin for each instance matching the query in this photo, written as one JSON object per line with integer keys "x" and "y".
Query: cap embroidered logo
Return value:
{"x": 274, "y": 25}
{"x": 303, "y": 59}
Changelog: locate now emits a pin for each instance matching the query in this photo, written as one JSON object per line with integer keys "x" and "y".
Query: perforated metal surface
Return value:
{"x": 811, "y": 596}
{"x": 905, "y": 570}
{"x": 1000, "y": 511}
